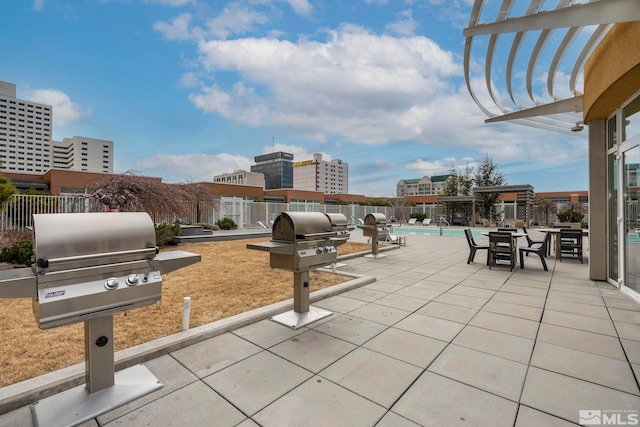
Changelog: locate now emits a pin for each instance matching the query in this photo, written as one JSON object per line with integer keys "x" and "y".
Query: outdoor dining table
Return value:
{"x": 555, "y": 232}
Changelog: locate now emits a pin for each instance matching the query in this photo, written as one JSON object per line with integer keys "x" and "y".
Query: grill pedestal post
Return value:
{"x": 302, "y": 313}
{"x": 374, "y": 249}
{"x": 98, "y": 353}
{"x": 104, "y": 389}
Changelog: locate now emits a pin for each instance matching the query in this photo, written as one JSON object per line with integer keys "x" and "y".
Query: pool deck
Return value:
{"x": 433, "y": 341}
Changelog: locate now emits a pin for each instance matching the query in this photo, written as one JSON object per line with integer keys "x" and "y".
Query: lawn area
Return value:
{"x": 229, "y": 280}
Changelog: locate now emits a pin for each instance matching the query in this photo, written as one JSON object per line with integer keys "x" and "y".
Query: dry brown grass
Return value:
{"x": 229, "y": 280}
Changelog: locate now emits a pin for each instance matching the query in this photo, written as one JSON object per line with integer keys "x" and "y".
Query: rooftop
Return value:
{"x": 432, "y": 341}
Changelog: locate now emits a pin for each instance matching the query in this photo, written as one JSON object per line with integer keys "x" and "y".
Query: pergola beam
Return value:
{"x": 594, "y": 13}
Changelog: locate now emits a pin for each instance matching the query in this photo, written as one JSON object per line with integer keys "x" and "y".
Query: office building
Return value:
{"x": 424, "y": 186}
{"x": 240, "y": 177}
{"x": 328, "y": 177}
{"x": 83, "y": 154}
{"x": 26, "y": 146}
{"x": 277, "y": 169}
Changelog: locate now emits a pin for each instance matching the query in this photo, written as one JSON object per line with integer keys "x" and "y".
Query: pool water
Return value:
{"x": 434, "y": 231}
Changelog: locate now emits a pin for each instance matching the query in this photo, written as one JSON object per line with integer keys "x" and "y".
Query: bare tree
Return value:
{"x": 132, "y": 192}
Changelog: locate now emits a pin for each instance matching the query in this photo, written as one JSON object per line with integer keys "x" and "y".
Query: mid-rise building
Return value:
{"x": 328, "y": 177}
{"x": 241, "y": 177}
{"x": 277, "y": 169}
{"x": 81, "y": 153}
{"x": 26, "y": 146}
{"x": 424, "y": 186}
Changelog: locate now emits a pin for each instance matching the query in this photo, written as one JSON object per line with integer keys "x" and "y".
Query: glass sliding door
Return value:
{"x": 631, "y": 194}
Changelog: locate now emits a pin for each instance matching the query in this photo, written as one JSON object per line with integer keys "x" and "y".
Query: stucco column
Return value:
{"x": 598, "y": 200}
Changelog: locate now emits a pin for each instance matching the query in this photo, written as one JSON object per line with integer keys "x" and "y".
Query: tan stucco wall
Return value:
{"x": 612, "y": 73}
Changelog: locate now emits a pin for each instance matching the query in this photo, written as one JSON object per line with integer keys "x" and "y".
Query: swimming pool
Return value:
{"x": 434, "y": 231}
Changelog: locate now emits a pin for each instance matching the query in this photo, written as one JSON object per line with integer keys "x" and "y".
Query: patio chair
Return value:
{"x": 541, "y": 251}
{"x": 571, "y": 244}
{"x": 507, "y": 230}
{"x": 501, "y": 248}
{"x": 412, "y": 221}
{"x": 531, "y": 242}
{"x": 473, "y": 246}
{"x": 426, "y": 221}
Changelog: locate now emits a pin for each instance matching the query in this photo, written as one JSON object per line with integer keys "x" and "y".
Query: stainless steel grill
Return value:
{"x": 301, "y": 241}
{"x": 376, "y": 226}
{"x": 88, "y": 267}
{"x": 340, "y": 225}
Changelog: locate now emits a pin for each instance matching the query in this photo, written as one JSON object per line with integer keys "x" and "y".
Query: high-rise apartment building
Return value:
{"x": 277, "y": 169}
{"x": 26, "y": 145}
{"x": 241, "y": 177}
{"x": 25, "y": 133}
{"x": 328, "y": 177}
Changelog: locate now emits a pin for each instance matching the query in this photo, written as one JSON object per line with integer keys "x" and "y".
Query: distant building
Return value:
{"x": 277, "y": 169}
{"x": 319, "y": 175}
{"x": 424, "y": 186}
{"x": 241, "y": 177}
{"x": 83, "y": 154}
{"x": 26, "y": 146}
{"x": 25, "y": 133}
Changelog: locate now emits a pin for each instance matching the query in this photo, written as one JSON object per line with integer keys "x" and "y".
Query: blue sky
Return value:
{"x": 188, "y": 89}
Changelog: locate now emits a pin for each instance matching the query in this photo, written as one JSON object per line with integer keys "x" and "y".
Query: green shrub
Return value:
{"x": 165, "y": 233}
{"x": 226, "y": 224}
{"x": 570, "y": 216}
{"x": 18, "y": 253}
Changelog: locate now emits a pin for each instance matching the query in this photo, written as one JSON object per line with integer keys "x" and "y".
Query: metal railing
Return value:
{"x": 245, "y": 213}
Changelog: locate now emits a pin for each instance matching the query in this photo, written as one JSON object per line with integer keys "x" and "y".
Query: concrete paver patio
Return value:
{"x": 434, "y": 341}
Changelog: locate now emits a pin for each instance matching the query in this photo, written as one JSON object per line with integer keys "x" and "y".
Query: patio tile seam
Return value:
{"x": 582, "y": 379}
{"x": 477, "y": 388}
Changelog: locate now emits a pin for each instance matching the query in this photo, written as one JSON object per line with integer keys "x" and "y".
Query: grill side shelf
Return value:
{"x": 18, "y": 283}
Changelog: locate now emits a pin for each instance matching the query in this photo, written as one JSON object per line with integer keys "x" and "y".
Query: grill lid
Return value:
{"x": 375, "y": 219}
{"x": 75, "y": 240}
{"x": 293, "y": 226}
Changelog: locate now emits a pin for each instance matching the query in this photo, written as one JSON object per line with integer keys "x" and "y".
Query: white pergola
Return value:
{"x": 556, "y": 32}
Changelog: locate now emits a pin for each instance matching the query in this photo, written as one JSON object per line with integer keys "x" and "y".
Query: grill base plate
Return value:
{"x": 294, "y": 320}
{"x": 77, "y": 405}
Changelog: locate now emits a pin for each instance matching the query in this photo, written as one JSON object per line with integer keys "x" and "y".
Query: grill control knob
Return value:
{"x": 111, "y": 283}
{"x": 132, "y": 279}
{"x": 319, "y": 250}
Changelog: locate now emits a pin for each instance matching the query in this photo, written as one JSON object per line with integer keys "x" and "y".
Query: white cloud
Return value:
{"x": 357, "y": 84}
{"x": 404, "y": 25}
{"x": 179, "y": 28}
{"x": 441, "y": 166}
{"x": 234, "y": 19}
{"x": 172, "y": 3}
{"x": 38, "y": 5}
{"x": 64, "y": 110}
{"x": 301, "y": 7}
{"x": 200, "y": 167}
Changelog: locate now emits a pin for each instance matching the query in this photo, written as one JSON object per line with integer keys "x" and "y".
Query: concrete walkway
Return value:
{"x": 433, "y": 342}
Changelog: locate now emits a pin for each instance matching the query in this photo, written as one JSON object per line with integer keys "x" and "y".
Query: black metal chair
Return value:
{"x": 501, "y": 248}
{"x": 541, "y": 251}
{"x": 571, "y": 244}
{"x": 531, "y": 242}
{"x": 507, "y": 230}
{"x": 473, "y": 246}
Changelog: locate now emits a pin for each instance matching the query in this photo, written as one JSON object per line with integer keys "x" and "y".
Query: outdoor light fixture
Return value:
{"x": 578, "y": 127}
